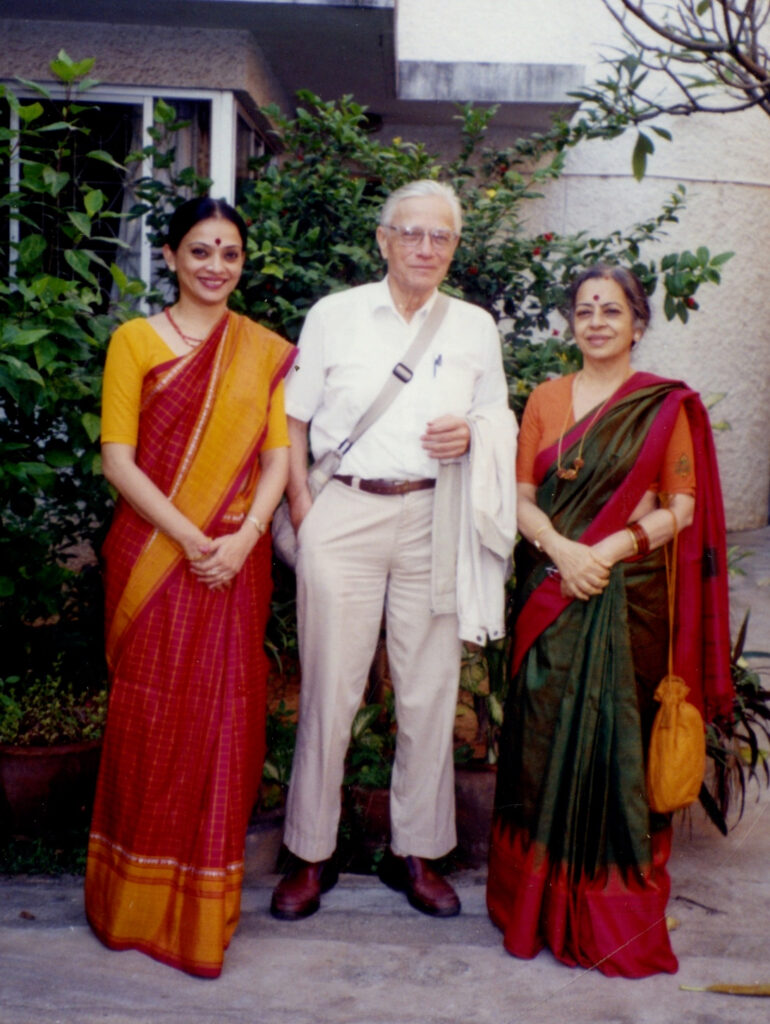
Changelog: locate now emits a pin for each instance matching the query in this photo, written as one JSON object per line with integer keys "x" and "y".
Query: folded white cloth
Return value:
{"x": 474, "y": 527}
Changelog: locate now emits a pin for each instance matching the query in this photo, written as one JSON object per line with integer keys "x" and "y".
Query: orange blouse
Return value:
{"x": 543, "y": 423}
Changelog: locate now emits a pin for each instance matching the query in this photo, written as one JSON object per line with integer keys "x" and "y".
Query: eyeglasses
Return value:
{"x": 411, "y": 237}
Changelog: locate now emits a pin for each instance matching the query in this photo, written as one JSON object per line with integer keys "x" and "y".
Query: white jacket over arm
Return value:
{"x": 474, "y": 527}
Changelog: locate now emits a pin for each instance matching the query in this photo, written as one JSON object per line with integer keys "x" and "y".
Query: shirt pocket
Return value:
{"x": 453, "y": 384}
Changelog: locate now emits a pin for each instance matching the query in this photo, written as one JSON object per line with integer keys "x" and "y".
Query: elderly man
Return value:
{"x": 372, "y": 540}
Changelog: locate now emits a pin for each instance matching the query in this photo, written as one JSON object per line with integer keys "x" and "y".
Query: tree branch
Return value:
{"x": 723, "y": 40}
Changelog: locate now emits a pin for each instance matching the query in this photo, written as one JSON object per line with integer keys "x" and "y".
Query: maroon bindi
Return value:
{"x": 217, "y": 241}
{"x": 596, "y": 297}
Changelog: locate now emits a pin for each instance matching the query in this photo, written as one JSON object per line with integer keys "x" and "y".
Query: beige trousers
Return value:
{"x": 358, "y": 553}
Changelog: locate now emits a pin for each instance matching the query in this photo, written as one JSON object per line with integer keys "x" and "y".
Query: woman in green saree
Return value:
{"x": 611, "y": 462}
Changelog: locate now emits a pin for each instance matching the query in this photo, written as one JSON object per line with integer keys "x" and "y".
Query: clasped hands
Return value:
{"x": 216, "y": 562}
{"x": 584, "y": 572}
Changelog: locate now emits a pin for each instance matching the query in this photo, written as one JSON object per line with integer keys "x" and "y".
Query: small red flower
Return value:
{"x": 555, "y": 333}
{"x": 548, "y": 236}
{"x": 690, "y": 301}
{"x": 473, "y": 271}
{"x": 536, "y": 251}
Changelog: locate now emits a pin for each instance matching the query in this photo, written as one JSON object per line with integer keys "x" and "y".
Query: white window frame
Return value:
{"x": 222, "y": 140}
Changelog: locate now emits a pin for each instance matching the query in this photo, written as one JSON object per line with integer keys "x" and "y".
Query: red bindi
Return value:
{"x": 217, "y": 241}
{"x": 596, "y": 297}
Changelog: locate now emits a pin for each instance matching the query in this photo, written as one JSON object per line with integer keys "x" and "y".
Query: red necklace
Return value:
{"x": 186, "y": 338}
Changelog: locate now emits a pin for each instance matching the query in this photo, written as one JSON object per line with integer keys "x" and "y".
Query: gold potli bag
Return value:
{"x": 677, "y": 755}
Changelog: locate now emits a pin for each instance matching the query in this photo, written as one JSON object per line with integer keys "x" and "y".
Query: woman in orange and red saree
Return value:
{"x": 608, "y": 458}
{"x": 194, "y": 439}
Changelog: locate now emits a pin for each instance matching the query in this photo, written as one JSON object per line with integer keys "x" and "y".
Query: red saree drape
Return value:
{"x": 184, "y": 743}
{"x": 577, "y": 861}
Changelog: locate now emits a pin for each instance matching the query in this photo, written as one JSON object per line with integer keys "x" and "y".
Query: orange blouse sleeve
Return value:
{"x": 677, "y": 475}
{"x": 134, "y": 350}
{"x": 542, "y": 423}
{"x": 277, "y": 429}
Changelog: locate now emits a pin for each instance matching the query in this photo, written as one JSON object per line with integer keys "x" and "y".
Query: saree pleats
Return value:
{"x": 577, "y": 860}
{"x": 184, "y": 743}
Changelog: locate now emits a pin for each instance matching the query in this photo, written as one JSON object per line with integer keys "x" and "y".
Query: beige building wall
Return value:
{"x": 725, "y": 164}
{"x": 725, "y": 346}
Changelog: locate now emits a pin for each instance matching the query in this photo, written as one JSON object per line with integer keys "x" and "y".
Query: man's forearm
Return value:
{"x": 297, "y": 484}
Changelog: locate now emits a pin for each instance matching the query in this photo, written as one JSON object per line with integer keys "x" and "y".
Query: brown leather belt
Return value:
{"x": 387, "y": 486}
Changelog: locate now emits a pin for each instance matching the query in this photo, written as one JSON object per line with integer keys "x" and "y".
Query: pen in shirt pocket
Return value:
{"x": 436, "y": 363}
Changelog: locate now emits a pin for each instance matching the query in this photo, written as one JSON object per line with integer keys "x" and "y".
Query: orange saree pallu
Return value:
{"x": 577, "y": 859}
{"x": 184, "y": 743}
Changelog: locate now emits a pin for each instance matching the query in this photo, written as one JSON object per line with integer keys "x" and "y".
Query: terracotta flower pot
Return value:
{"x": 47, "y": 789}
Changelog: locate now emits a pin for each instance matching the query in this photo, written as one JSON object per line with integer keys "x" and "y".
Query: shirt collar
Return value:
{"x": 382, "y": 299}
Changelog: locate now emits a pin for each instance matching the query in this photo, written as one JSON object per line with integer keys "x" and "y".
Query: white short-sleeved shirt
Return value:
{"x": 349, "y": 344}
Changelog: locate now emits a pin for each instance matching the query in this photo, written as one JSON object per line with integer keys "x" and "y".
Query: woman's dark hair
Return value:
{"x": 195, "y": 210}
{"x": 628, "y": 281}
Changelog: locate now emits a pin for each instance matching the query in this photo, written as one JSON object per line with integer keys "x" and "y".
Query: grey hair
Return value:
{"x": 423, "y": 187}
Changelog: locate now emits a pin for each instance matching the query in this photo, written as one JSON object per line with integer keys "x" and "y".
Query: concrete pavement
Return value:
{"x": 368, "y": 958}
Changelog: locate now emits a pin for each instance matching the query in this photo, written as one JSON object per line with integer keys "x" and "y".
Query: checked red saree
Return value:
{"x": 184, "y": 743}
{"x": 577, "y": 860}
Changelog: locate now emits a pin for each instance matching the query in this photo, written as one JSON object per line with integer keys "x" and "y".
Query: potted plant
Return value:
{"x": 735, "y": 748}
{"x": 50, "y": 743}
{"x": 483, "y": 685}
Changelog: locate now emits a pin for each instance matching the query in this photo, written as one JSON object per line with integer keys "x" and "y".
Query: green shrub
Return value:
{"x": 47, "y": 712}
{"x": 56, "y": 315}
{"x": 313, "y": 215}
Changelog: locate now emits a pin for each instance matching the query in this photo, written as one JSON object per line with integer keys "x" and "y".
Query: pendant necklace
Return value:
{"x": 186, "y": 338}
{"x": 571, "y": 472}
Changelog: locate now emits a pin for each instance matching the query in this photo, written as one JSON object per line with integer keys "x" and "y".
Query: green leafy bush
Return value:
{"x": 56, "y": 315}
{"x": 313, "y": 215}
{"x": 47, "y": 712}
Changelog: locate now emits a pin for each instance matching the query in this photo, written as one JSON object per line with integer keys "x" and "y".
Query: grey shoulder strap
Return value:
{"x": 402, "y": 372}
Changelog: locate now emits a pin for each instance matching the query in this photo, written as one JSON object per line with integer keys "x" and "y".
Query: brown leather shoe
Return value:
{"x": 298, "y": 894}
{"x": 425, "y": 889}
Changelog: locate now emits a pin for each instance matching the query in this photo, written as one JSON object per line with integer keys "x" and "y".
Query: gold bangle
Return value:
{"x": 536, "y": 538}
{"x": 634, "y": 541}
{"x": 257, "y": 522}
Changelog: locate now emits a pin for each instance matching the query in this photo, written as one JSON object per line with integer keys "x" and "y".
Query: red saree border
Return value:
{"x": 614, "y": 923}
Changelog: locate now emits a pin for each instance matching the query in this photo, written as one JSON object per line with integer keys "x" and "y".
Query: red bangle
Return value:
{"x": 641, "y": 538}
